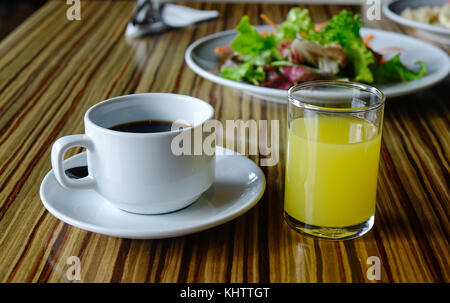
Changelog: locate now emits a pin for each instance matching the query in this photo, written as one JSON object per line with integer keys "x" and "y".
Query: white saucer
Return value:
{"x": 238, "y": 186}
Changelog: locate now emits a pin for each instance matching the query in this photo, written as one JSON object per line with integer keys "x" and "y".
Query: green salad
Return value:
{"x": 298, "y": 51}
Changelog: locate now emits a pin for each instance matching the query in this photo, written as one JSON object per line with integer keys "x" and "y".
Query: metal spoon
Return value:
{"x": 146, "y": 19}
{"x": 151, "y": 18}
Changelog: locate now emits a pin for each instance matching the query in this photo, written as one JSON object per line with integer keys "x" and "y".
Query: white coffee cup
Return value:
{"x": 138, "y": 172}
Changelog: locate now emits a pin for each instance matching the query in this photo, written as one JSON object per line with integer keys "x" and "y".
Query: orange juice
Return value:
{"x": 331, "y": 170}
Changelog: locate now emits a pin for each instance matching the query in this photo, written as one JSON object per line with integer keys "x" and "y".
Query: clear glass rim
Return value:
{"x": 336, "y": 83}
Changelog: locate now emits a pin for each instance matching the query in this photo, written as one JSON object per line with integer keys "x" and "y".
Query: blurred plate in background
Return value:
{"x": 393, "y": 10}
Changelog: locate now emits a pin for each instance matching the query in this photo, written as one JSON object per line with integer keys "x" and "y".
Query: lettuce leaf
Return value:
{"x": 297, "y": 21}
{"x": 249, "y": 41}
{"x": 361, "y": 58}
{"x": 266, "y": 57}
{"x": 394, "y": 70}
{"x": 344, "y": 29}
{"x": 247, "y": 71}
{"x": 254, "y": 50}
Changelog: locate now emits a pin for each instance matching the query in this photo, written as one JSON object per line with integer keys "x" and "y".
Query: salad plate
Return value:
{"x": 201, "y": 58}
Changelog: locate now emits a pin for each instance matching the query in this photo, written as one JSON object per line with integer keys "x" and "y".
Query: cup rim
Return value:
{"x": 88, "y": 121}
{"x": 337, "y": 83}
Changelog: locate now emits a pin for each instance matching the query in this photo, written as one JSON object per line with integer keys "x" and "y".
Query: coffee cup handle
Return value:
{"x": 59, "y": 149}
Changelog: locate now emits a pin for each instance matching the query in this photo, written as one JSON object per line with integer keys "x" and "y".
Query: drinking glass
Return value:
{"x": 333, "y": 150}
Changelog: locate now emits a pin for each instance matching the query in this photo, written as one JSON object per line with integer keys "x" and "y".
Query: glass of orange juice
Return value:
{"x": 332, "y": 158}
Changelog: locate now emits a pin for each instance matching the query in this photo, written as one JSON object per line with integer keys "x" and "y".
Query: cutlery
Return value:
{"x": 150, "y": 17}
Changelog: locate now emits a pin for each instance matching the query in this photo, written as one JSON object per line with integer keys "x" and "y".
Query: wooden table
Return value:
{"x": 52, "y": 70}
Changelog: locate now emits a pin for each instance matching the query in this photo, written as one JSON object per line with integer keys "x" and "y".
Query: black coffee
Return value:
{"x": 148, "y": 126}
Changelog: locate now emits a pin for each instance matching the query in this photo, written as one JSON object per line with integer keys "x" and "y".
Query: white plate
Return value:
{"x": 238, "y": 186}
{"x": 201, "y": 59}
{"x": 393, "y": 10}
